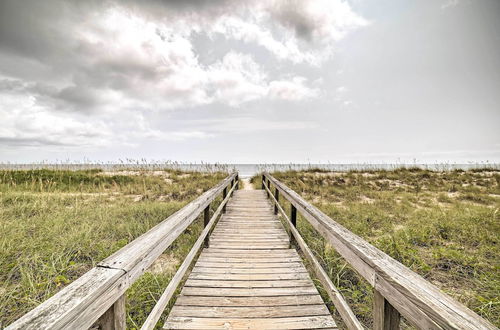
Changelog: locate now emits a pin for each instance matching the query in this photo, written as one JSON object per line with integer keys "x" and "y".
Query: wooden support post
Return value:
{"x": 263, "y": 182}
{"x": 237, "y": 182}
{"x": 224, "y": 194}
{"x": 115, "y": 317}
{"x": 206, "y": 220}
{"x": 277, "y": 196}
{"x": 293, "y": 220}
{"x": 268, "y": 185}
{"x": 385, "y": 317}
{"x": 293, "y": 215}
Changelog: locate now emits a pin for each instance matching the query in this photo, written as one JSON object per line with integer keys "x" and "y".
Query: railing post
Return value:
{"x": 293, "y": 215}
{"x": 224, "y": 194}
{"x": 115, "y": 317}
{"x": 293, "y": 220}
{"x": 277, "y": 196}
{"x": 385, "y": 317}
{"x": 206, "y": 220}
{"x": 237, "y": 182}
{"x": 268, "y": 185}
{"x": 263, "y": 181}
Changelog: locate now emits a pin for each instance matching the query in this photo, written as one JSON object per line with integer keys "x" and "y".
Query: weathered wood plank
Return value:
{"x": 248, "y": 256}
{"x": 249, "y": 301}
{"x": 250, "y": 225}
{"x": 208, "y": 264}
{"x": 306, "y": 322}
{"x": 251, "y": 247}
{"x": 247, "y": 283}
{"x": 239, "y": 234}
{"x": 115, "y": 317}
{"x": 239, "y": 216}
{"x": 250, "y": 277}
{"x": 249, "y": 240}
{"x": 285, "y": 252}
{"x": 249, "y": 231}
{"x": 245, "y": 230}
{"x": 237, "y": 222}
{"x": 204, "y": 258}
{"x": 96, "y": 288}
{"x": 385, "y": 317}
{"x": 252, "y": 312}
{"x": 249, "y": 236}
{"x": 261, "y": 221}
{"x": 213, "y": 270}
{"x": 245, "y": 292}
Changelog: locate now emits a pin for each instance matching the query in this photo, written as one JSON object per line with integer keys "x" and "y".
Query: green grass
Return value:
{"x": 443, "y": 225}
{"x": 56, "y": 225}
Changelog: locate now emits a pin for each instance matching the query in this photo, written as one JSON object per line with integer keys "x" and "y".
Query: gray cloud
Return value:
{"x": 291, "y": 14}
{"x": 11, "y": 85}
{"x": 195, "y": 78}
{"x": 29, "y": 142}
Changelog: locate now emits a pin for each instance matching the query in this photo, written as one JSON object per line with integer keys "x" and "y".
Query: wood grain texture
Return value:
{"x": 115, "y": 317}
{"x": 202, "y": 240}
{"x": 385, "y": 317}
{"x": 249, "y": 277}
{"x": 304, "y": 322}
{"x": 250, "y": 312}
{"x": 302, "y": 300}
{"x": 335, "y": 296}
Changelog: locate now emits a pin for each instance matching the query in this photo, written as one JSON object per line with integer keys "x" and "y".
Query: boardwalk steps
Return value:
{"x": 249, "y": 277}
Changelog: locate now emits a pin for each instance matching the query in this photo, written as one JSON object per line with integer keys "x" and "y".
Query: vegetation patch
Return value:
{"x": 443, "y": 225}
{"x": 57, "y": 224}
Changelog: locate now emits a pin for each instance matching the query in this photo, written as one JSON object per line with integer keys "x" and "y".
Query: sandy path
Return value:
{"x": 246, "y": 184}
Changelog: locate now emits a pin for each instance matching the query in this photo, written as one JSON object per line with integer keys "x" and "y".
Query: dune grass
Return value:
{"x": 57, "y": 224}
{"x": 443, "y": 225}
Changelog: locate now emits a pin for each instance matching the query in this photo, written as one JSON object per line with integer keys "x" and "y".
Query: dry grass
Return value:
{"x": 443, "y": 225}
{"x": 57, "y": 224}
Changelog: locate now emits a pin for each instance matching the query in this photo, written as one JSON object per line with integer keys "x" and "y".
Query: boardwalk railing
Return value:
{"x": 398, "y": 291}
{"x": 97, "y": 298}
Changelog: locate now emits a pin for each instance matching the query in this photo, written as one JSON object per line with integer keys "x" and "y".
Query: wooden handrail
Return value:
{"x": 158, "y": 309}
{"x": 85, "y": 300}
{"x": 336, "y": 297}
{"x": 397, "y": 288}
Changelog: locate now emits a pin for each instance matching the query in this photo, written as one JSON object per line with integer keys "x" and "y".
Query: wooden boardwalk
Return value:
{"x": 249, "y": 277}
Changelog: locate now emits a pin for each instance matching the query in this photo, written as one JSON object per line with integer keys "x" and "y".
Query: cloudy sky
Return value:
{"x": 250, "y": 81}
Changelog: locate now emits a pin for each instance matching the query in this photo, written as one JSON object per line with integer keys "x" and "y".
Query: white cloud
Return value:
{"x": 24, "y": 123}
{"x": 298, "y": 31}
{"x": 108, "y": 66}
{"x": 149, "y": 65}
{"x": 293, "y": 89}
{"x": 236, "y": 79}
{"x": 341, "y": 89}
